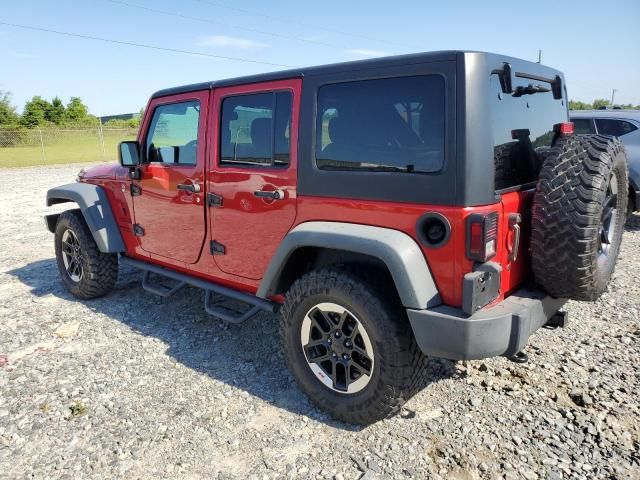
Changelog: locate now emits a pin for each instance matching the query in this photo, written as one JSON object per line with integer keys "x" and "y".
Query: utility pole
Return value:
{"x": 539, "y": 56}
{"x": 613, "y": 93}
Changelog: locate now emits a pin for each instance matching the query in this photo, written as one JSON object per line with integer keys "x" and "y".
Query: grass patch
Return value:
{"x": 78, "y": 409}
{"x": 65, "y": 147}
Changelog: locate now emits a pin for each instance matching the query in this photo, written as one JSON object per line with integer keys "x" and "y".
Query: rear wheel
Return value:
{"x": 579, "y": 211}
{"x": 85, "y": 270}
{"x": 351, "y": 350}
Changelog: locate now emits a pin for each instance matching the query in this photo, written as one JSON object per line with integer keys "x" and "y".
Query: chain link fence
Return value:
{"x": 46, "y": 146}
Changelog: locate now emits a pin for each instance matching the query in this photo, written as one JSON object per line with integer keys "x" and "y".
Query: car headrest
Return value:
{"x": 261, "y": 134}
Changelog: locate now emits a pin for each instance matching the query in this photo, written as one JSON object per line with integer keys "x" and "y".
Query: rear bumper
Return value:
{"x": 503, "y": 329}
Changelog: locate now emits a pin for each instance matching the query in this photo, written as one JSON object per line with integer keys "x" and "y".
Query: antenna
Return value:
{"x": 539, "y": 56}
{"x": 613, "y": 93}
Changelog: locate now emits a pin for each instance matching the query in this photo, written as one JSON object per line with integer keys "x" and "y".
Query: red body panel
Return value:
{"x": 448, "y": 263}
{"x": 517, "y": 271}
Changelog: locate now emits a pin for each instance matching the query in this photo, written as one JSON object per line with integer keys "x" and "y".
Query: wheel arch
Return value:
{"x": 316, "y": 244}
{"x": 96, "y": 211}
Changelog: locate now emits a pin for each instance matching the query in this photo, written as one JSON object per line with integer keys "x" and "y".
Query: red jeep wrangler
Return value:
{"x": 429, "y": 204}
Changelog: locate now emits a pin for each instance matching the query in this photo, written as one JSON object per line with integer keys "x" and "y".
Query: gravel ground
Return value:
{"x": 135, "y": 386}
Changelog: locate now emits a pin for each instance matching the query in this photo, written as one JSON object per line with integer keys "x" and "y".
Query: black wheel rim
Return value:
{"x": 609, "y": 218}
{"x": 337, "y": 348}
{"x": 72, "y": 255}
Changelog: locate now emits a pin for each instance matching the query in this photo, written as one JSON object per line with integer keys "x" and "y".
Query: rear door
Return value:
{"x": 522, "y": 134}
{"x": 253, "y": 173}
{"x": 168, "y": 199}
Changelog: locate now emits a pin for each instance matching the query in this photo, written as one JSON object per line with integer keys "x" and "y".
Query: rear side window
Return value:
{"x": 522, "y": 127}
{"x": 582, "y": 125}
{"x": 173, "y": 133}
{"x": 386, "y": 125}
{"x": 617, "y": 128}
{"x": 255, "y": 130}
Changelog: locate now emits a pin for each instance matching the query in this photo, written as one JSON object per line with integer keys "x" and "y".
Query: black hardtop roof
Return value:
{"x": 412, "y": 58}
{"x": 305, "y": 71}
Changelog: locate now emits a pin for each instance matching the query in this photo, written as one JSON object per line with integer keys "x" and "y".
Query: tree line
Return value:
{"x": 599, "y": 103}
{"x": 39, "y": 112}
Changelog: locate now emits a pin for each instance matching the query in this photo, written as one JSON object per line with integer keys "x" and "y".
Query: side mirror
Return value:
{"x": 129, "y": 154}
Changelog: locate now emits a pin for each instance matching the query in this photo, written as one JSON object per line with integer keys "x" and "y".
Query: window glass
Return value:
{"x": 617, "y": 128}
{"x": 255, "y": 128}
{"x": 173, "y": 133}
{"x": 522, "y": 130}
{"x": 582, "y": 125}
{"x": 394, "y": 124}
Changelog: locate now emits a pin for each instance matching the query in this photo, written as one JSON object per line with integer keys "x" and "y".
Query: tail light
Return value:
{"x": 482, "y": 235}
{"x": 566, "y": 128}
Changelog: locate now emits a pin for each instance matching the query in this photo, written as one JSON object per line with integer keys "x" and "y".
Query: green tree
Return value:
{"x": 35, "y": 112}
{"x": 600, "y": 102}
{"x": 577, "y": 105}
{"x": 56, "y": 113}
{"x": 77, "y": 112}
{"x": 8, "y": 115}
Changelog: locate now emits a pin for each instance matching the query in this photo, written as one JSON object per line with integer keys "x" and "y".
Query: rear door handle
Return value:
{"x": 270, "y": 194}
{"x": 189, "y": 187}
{"x": 514, "y": 226}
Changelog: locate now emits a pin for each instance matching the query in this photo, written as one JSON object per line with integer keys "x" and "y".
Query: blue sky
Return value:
{"x": 596, "y": 44}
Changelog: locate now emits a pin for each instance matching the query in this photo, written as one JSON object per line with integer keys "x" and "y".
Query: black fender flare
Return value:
{"x": 397, "y": 250}
{"x": 95, "y": 208}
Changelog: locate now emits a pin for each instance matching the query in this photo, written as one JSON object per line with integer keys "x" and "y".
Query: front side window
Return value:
{"x": 385, "y": 125}
{"x": 617, "y": 128}
{"x": 255, "y": 130}
{"x": 173, "y": 133}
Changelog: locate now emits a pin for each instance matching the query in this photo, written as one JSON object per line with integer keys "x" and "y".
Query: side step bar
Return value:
{"x": 255, "y": 303}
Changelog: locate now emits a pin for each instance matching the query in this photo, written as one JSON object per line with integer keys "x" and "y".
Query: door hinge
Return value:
{"x": 136, "y": 190}
{"x": 214, "y": 200}
{"x": 138, "y": 231}
{"x": 217, "y": 248}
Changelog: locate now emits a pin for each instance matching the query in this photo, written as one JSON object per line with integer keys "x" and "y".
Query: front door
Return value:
{"x": 168, "y": 199}
{"x": 254, "y": 173}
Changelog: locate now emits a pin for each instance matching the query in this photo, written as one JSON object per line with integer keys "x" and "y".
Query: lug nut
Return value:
{"x": 348, "y": 344}
{"x": 345, "y": 356}
{"x": 337, "y": 333}
{"x": 329, "y": 341}
{"x": 334, "y": 355}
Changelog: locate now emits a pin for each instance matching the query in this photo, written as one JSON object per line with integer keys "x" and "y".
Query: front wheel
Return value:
{"x": 351, "y": 350}
{"x": 85, "y": 270}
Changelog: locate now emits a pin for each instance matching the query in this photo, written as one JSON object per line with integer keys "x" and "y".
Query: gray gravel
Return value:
{"x": 135, "y": 386}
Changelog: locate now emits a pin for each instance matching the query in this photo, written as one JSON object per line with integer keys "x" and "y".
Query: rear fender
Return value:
{"x": 397, "y": 250}
{"x": 95, "y": 208}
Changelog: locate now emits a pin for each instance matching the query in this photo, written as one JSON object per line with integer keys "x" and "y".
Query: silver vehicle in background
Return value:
{"x": 624, "y": 124}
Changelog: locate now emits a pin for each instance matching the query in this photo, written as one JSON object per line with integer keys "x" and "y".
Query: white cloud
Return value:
{"x": 366, "y": 53}
{"x": 16, "y": 54}
{"x": 232, "y": 42}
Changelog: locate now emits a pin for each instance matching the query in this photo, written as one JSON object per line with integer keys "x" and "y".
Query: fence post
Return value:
{"x": 44, "y": 158}
{"x": 103, "y": 151}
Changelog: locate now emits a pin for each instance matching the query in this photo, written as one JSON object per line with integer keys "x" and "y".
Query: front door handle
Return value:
{"x": 270, "y": 194}
{"x": 189, "y": 187}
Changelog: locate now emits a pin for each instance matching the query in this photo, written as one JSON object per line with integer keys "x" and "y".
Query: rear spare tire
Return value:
{"x": 579, "y": 215}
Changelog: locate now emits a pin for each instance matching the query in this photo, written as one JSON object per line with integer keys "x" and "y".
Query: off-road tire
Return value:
{"x": 99, "y": 270}
{"x": 505, "y": 173}
{"x": 567, "y": 212}
{"x": 399, "y": 368}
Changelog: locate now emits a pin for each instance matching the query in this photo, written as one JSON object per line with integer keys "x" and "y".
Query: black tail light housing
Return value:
{"x": 482, "y": 236}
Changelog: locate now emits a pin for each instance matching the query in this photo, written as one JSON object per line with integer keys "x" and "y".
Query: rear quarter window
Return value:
{"x": 385, "y": 125}
{"x": 617, "y": 128}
